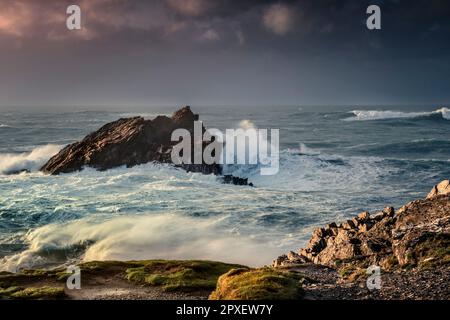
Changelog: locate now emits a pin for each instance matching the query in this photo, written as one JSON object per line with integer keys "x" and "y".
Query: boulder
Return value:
{"x": 417, "y": 233}
{"x": 349, "y": 225}
{"x": 440, "y": 189}
{"x": 378, "y": 216}
{"x": 296, "y": 258}
{"x": 363, "y": 216}
{"x": 280, "y": 261}
{"x": 337, "y": 248}
{"x": 389, "y": 211}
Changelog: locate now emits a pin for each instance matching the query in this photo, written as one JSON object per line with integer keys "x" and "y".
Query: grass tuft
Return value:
{"x": 175, "y": 275}
{"x": 258, "y": 284}
{"x": 32, "y": 293}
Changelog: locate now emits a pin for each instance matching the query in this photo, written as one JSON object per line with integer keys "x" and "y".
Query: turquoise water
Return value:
{"x": 334, "y": 162}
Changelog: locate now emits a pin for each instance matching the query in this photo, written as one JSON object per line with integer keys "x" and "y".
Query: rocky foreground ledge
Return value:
{"x": 130, "y": 142}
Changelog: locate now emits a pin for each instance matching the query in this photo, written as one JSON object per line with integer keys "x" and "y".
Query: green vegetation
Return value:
{"x": 352, "y": 273}
{"x": 173, "y": 275}
{"x": 101, "y": 266}
{"x": 345, "y": 271}
{"x": 170, "y": 275}
{"x": 30, "y": 276}
{"x": 32, "y": 293}
{"x": 258, "y": 284}
{"x": 389, "y": 263}
{"x": 432, "y": 252}
{"x": 7, "y": 292}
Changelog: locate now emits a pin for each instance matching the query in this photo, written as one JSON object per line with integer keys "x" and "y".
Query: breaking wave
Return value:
{"x": 166, "y": 236}
{"x": 305, "y": 150}
{"x": 367, "y": 115}
{"x": 14, "y": 162}
{"x": 157, "y": 211}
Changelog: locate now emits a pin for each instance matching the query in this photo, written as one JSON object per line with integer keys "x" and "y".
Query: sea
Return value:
{"x": 335, "y": 161}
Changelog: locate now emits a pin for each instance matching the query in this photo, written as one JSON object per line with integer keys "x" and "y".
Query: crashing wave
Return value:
{"x": 28, "y": 161}
{"x": 166, "y": 236}
{"x": 366, "y": 115}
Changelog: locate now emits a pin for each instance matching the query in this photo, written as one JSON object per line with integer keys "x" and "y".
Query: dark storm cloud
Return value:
{"x": 232, "y": 52}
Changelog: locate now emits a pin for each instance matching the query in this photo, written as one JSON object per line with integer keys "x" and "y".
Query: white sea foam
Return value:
{"x": 167, "y": 236}
{"x": 445, "y": 113}
{"x": 264, "y": 139}
{"x": 158, "y": 211}
{"x": 306, "y": 169}
{"x": 10, "y": 162}
{"x": 4, "y": 125}
{"x": 246, "y": 124}
{"x": 305, "y": 150}
{"x": 367, "y": 115}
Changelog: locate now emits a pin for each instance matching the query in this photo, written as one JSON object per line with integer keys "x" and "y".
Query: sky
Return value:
{"x": 224, "y": 52}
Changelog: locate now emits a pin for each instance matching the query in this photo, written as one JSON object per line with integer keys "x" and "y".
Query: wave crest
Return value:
{"x": 166, "y": 236}
{"x": 367, "y": 115}
{"x": 15, "y": 162}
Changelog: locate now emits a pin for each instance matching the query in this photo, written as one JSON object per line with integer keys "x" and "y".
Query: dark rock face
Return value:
{"x": 415, "y": 235}
{"x": 129, "y": 142}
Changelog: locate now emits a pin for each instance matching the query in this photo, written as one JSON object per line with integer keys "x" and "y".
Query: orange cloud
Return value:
{"x": 15, "y": 18}
{"x": 279, "y": 19}
{"x": 191, "y": 7}
{"x": 31, "y": 19}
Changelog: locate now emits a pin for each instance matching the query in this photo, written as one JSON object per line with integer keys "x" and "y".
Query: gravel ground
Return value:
{"x": 400, "y": 285}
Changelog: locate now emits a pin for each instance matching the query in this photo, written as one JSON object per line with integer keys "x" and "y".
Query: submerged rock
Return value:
{"x": 229, "y": 179}
{"x": 130, "y": 142}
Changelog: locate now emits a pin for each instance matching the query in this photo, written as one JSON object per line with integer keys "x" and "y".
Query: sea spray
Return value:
{"x": 31, "y": 161}
{"x": 367, "y": 115}
{"x": 167, "y": 236}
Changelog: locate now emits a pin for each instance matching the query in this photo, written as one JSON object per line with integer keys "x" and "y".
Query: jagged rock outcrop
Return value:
{"x": 130, "y": 142}
{"x": 416, "y": 234}
{"x": 441, "y": 188}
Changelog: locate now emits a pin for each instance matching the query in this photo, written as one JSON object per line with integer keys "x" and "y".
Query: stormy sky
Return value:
{"x": 224, "y": 52}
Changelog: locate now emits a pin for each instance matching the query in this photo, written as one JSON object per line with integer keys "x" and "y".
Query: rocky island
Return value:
{"x": 130, "y": 142}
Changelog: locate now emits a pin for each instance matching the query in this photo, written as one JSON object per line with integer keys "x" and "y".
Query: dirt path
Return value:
{"x": 120, "y": 289}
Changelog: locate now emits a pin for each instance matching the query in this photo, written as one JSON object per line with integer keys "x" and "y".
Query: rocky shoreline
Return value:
{"x": 387, "y": 238}
{"x": 411, "y": 246}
